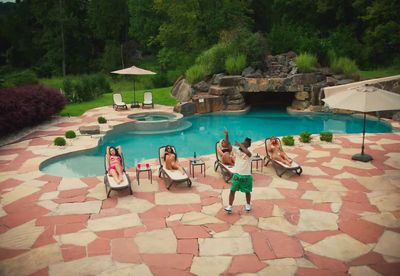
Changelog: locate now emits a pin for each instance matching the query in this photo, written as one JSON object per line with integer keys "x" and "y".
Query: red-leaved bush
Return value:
{"x": 27, "y": 105}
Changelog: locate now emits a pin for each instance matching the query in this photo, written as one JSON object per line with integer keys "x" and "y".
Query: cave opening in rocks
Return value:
{"x": 269, "y": 99}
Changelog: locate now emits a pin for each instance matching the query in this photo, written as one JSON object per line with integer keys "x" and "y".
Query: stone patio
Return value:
{"x": 340, "y": 217}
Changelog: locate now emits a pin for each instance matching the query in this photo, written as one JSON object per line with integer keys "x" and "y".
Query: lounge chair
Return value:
{"x": 280, "y": 168}
{"x": 148, "y": 99}
{"x": 171, "y": 176}
{"x": 226, "y": 170}
{"x": 118, "y": 103}
{"x": 109, "y": 181}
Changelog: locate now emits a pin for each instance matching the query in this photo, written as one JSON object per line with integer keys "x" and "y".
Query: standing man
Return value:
{"x": 242, "y": 179}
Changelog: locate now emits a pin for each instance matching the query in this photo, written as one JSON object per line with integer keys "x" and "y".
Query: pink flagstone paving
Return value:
{"x": 340, "y": 217}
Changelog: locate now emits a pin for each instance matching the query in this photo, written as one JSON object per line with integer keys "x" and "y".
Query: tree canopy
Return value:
{"x": 58, "y": 37}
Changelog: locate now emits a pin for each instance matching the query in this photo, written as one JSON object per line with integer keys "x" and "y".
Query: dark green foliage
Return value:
{"x": 86, "y": 88}
{"x": 326, "y": 136}
{"x": 59, "y": 141}
{"x": 70, "y": 134}
{"x": 20, "y": 78}
{"x": 28, "y": 105}
{"x": 288, "y": 140}
{"x": 101, "y": 120}
{"x": 305, "y": 137}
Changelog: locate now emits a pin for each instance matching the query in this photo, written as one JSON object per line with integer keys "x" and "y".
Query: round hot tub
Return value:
{"x": 158, "y": 121}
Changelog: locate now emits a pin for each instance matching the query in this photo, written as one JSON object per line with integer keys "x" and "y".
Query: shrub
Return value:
{"x": 28, "y": 105}
{"x": 101, "y": 120}
{"x": 20, "y": 78}
{"x": 196, "y": 73}
{"x": 305, "y": 137}
{"x": 344, "y": 65}
{"x": 70, "y": 134}
{"x": 235, "y": 64}
{"x": 326, "y": 136}
{"x": 59, "y": 141}
{"x": 288, "y": 140}
{"x": 306, "y": 62}
{"x": 86, "y": 88}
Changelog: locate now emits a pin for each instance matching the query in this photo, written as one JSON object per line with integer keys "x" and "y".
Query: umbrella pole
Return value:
{"x": 134, "y": 104}
{"x": 363, "y": 157}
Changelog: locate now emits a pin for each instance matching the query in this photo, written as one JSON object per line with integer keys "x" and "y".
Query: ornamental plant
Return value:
{"x": 70, "y": 134}
{"x": 59, "y": 141}
{"x": 305, "y": 137}
{"x": 101, "y": 120}
{"x": 28, "y": 105}
{"x": 326, "y": 136}
{"x": 288, "y": 140}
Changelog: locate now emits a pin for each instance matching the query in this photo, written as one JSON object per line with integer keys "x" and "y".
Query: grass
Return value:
{"x": 160, "y": 96}
{"x": 379, "y": 73}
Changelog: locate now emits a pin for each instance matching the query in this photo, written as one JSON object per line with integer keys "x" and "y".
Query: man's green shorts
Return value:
{"x": 243, "y": 183}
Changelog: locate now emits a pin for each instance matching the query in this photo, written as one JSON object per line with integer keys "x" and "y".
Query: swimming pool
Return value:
{"x": 205, "y": 130}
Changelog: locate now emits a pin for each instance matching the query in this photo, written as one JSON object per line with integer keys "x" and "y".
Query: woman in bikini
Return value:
{"x": 171, "y": 160}
{"x": 114, "y": 160}
{"x": 224, "y": 150}
{"x": 276, "y": 152}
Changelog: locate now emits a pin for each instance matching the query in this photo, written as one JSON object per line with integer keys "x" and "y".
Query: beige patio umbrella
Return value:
{"x": 133, "y": 70}
{"x": 364, "y": 99}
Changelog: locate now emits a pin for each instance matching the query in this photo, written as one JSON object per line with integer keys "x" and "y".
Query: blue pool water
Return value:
{"x": 206, "y": 129}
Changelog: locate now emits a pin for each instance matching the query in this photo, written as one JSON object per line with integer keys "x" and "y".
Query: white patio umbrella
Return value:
{"x": 133, "y": 70}
{"x": 364, "y": 99}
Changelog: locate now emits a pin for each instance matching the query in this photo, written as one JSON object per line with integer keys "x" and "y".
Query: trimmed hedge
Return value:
{"x": 28, "y": 105}
{"x": 59, "y": 141}
{"x": 101, "y": 120}
{"x": 288, "y": 140}
{"x": 326, "y": 136}
{"x": 305, "y": 137}
{"x": 70, "y": 134}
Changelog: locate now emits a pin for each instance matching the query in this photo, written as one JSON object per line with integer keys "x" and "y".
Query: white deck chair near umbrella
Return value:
{"x": 364, "y": 99}
{"x": 133, "y": 70}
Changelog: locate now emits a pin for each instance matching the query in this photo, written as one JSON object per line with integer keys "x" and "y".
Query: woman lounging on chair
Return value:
{"x": 280, "y": 160}
{"x": 115, "y": 176}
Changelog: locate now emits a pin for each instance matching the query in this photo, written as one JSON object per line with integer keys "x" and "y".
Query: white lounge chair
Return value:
{"x": 226, "y": 170}
{"x": 118, "y": 103}
{"x": 171, "y": 176}
{"x": 109, "y": 181}
{"x": 148, "y": 99}
{"x": 280, "y": 168}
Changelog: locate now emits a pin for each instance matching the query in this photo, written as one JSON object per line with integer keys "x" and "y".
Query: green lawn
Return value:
{"x": 379, "y": 73}
{"x": 160, "y": 96}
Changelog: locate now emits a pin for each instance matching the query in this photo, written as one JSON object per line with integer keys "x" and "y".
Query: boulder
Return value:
{"x": 182, "y": 91}
{"x": 201, "y": 86}
{"x": 300, "y": 105}
{"x": 304, "y": 78}
{"x": 219, "y": 91}
{"x": 216, "y": 79}
{"x": 89, "y": 130}
{"x": 230, "y": 80}
{"x": 326, "y": 71}
{"x": 331, "y": 81}
{"x": 301, "y": 95}
{"x": 344, "y": 81}
{"x": 248, "y": 71}
{"x": 186, "y": 109}
{"x": 207, "y": 103}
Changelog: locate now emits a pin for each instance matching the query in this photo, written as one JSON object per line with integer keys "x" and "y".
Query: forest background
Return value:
{"x": 53, "y": 38}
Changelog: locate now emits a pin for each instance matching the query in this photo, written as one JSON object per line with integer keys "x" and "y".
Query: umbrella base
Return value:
{"x": 362, "y": 157}
{"x": 135, "y": 105}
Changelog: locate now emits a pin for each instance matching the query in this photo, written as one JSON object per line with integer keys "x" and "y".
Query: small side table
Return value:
{"x": 194, "y": 163}
{"x": 144, "y": 169}
{"x": 256, "y": 159}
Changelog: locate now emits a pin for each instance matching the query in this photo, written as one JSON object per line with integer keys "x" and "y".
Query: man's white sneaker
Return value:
{"x": 247, "y": 207}
{"x": 228, "y": 209}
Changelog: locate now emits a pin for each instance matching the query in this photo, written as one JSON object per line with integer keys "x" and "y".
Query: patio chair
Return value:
{"x": 226, "y": 170}
{"x": 280, "y": 168}
{"x": 171, "y": 176}
{"x": 118, "y": 103}
{"x": 109, "y": 181}
{"x": 148, "y": 99}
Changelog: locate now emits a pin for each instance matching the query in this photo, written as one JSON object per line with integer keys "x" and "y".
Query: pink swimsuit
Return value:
{"x": 114, "y": 158}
